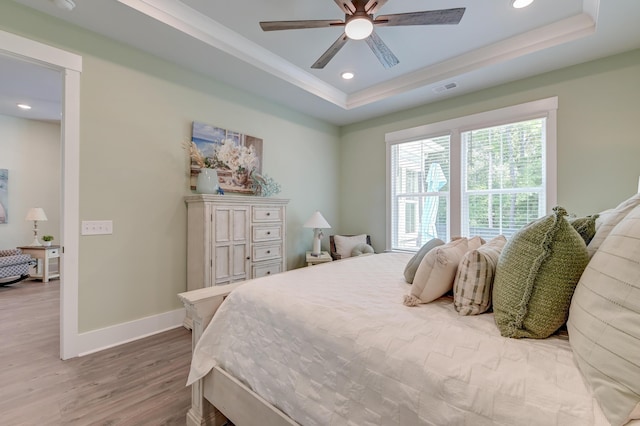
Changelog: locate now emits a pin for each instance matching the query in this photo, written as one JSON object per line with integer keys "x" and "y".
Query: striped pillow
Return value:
{"x": 608, "y": 220}
{"x": 604, "y": 322}
{"x": 472, "y": 286}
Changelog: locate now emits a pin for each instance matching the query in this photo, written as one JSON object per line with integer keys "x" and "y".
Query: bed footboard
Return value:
{"x": 201, "y": 305}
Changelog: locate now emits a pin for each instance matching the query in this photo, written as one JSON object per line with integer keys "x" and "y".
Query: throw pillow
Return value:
{"x": 474, "y": 279}
{"x": 586, "y": 226}
{"x": 609, "y": 219}
{"x": 361, "y": 249}
{"x": 436, "y": 272}
{"x": 536, "y": 275}
{"x": 604, "y": 322}
{"x": 414, "y": 262}
{"x": 475, "y": 242}
{"x": 344, "y": 244}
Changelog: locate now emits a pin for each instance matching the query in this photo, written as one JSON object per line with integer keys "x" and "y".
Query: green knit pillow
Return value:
{"x": 586, "y": 226}
{"x": 414, "y": 262}
{"x": 536, "y": 275}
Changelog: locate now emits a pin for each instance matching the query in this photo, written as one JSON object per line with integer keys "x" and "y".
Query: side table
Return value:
{"x": 314, "y": 260}
{"x": 44, "y": 255}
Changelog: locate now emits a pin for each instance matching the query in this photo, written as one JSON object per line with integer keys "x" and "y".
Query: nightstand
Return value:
{"x": 314, "y": 260}
{"x": 44, "y": 254}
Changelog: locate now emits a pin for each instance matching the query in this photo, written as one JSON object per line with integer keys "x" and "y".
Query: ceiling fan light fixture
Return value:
{"x": 359, "y": 28}
{"x": 519, "y": 4}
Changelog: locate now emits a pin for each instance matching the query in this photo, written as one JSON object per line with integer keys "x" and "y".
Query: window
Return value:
{"x": 410, "y": 218}
{"x": 486, "y": 174}
{"x": 423, "y": 204}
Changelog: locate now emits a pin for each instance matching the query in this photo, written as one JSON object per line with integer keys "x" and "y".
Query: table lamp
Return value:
{"x": 317, "y": 222}
{"x": 35, "y": 214}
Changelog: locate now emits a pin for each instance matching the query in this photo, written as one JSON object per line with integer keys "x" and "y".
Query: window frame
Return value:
{"x": 542, "y": 108}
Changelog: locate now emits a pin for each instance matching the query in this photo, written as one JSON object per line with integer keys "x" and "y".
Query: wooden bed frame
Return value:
{"x": 219, "y": 396}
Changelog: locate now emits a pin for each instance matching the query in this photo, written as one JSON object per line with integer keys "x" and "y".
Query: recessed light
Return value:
{"x": 24, "y": 106}
{"x": 347, "y": 75}
{"x": 519, "y": 4}
{"x": 65, "y": 4}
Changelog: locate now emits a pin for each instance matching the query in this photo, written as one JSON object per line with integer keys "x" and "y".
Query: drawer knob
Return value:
{"x": 268, "y": 213}
{"x": 268, "y": 251}
{"x": 268, "y": 232}
{"x": 268, "y": 272}
{"x": 248, "y": 258}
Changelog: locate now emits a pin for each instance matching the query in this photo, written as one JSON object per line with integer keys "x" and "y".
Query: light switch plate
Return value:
{"x": 97, "y": 227}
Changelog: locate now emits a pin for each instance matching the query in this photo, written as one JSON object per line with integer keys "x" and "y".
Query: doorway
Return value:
{"x": 70, "y": 66}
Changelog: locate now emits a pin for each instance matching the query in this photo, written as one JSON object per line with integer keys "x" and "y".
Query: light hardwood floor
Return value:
{"x": 139, "y": 383}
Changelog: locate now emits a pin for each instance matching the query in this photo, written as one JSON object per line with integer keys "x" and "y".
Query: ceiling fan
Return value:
{"x": 359, "y": 23}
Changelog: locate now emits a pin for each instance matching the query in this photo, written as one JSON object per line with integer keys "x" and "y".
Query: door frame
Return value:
{"x": 70, "y": 67}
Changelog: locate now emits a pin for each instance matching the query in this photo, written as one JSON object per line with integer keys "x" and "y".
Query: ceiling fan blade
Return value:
{"x": 331, "y": 52}
{"x": 382, "y": 52}
{"x": 298, "y": 25}
{"x": 373, "y": 6}
{"x": 346, "y": 6}
{"x": 428, "y": 17}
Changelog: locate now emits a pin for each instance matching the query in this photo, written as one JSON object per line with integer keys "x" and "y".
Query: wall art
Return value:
{"x": 236, "y": 157}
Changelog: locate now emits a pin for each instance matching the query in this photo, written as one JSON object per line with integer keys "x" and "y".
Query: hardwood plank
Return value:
{"x": 139, "y": 383}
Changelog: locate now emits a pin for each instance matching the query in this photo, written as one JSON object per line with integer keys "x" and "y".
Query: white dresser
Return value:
{"x": 234, "y": 238}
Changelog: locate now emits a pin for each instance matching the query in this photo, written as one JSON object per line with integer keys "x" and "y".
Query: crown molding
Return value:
{"x": 201, "y": 27}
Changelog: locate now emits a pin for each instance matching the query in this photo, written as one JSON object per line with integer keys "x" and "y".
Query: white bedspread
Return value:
{"x": 334, "y": 345}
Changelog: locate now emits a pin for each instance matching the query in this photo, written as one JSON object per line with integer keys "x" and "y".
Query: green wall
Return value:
{"x": 598, "y": 142}
{"x": 136, "y": 112}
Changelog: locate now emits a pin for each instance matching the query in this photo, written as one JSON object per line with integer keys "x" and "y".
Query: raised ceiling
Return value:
{"x": 493, "y": 44}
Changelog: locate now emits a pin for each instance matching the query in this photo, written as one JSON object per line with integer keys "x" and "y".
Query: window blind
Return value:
{"x": 499, "y": 171}
{"x": 419, "y": 192}
{"x": 503, "y": 177}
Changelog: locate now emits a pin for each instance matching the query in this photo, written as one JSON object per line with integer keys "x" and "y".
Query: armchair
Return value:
{"x": 14, "y": 266}
{"x": 334, "y": 251}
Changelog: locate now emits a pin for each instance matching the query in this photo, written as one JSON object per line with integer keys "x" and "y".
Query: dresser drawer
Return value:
{"x": 267, "y": 233}
{"x": 267, "y": 214}
{"x": 273, "y": 251}
{"x": 263, "y": 270}
{"x": 54, "y": 253}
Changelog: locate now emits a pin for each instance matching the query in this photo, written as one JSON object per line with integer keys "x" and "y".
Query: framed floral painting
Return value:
{"x": 236, "y": 157}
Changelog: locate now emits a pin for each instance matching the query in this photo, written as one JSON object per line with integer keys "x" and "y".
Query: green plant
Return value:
{"x": 47, "y": 238}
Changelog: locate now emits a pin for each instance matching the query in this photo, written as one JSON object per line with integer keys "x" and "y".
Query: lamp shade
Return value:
{"x": 36, "y": 213}
{"x": 316, "y": 221}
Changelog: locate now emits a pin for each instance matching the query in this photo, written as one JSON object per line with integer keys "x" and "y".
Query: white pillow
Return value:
{"x": 604, "y": 322}
{"x": 345, "y": 245}
{"x": 436, "y": 272}
{"x": 608, "y": 220}
{"x": 474, "y": 243}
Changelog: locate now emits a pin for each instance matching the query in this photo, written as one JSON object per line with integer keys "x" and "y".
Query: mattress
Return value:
{"x": 333, "y": 344}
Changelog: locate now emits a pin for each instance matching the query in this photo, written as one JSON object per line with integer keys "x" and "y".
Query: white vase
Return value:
{"x": 207, "y": 182}
{"x": 47, "y": 243}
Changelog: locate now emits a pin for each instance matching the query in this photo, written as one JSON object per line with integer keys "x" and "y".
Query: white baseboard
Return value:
{"x": 108, "y": 337}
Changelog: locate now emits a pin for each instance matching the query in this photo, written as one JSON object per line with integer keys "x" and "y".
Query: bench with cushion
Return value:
{"x": 14, "y": 266}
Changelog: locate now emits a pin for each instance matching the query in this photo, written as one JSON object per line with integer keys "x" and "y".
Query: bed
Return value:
{"x": 333, "y": 344}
